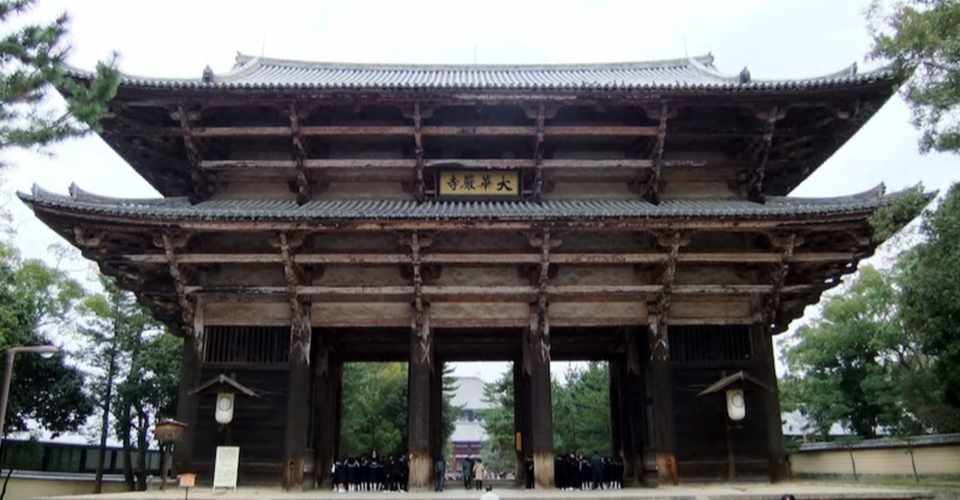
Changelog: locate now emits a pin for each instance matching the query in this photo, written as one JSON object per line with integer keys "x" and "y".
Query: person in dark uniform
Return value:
{"x": 339, "y": 474}
{"x": 596, "y": 471}
{"x": 439, "y": 473}
{"x": 466, "y": 470}
{"x": 528, "y": 467}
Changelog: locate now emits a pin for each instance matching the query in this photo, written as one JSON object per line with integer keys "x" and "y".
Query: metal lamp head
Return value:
{"x": 169, "y": 431}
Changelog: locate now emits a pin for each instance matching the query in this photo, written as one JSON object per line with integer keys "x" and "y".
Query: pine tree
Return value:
{"x": 32, "y": 62}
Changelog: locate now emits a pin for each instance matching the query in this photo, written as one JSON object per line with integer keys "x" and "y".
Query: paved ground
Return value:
{"x": 726, "y": 491}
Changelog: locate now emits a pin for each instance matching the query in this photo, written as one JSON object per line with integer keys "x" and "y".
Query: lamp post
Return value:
{"x": 8, "y": 376}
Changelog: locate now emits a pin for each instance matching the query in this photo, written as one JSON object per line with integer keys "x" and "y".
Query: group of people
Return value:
{"x": 472, "y": 471}
{"x": 370, "y": 473}
{"x": 577, "y": 472}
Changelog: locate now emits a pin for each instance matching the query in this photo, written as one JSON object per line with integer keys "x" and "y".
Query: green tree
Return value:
{"x": 930, "y": 283}
{"x": 498, "y": 452}
{"x": 859, "y": 364}
{"x": 32, "y": 61}
{"x": 36, "y": 302}
{"x": 114, "y": 325}
{"x": 922, "y": 39}
{"x": 581, "y": 410}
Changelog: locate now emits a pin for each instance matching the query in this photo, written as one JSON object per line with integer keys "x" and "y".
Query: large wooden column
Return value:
{"x": 766, "y": 371}
{"x": 187, "y": 404}
{"x": 536, "y": 360}
{"x": 298, "y": 387}
{"x": 536, "y": 367}
{"x": 660, "y": 389}
{"x": 521, "y": 421}
{"x": 436, "y": 414}
{"x": 325, "y": 382}
{"x": 632, "y": 406}
{"x": 419, "y": 391}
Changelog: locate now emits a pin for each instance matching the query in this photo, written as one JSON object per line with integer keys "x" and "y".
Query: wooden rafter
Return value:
{"x": 299, "y": 156}
{"x": 538, "y": 152}
{"x": 201, "y": 188}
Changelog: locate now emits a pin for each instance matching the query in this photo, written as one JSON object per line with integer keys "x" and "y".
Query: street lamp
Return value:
{"x": 45, "y": 350}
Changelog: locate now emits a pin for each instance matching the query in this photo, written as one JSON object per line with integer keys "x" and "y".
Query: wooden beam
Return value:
{"x": 488, "y": 164}
{"x": 399, "y": 131}
{"x": 299, "y": 156}
{"x": 499, "y": 258}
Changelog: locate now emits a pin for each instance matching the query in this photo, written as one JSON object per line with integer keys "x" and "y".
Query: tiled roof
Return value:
{"x": 696, "y": 73}
{"x": 171, "y": 209}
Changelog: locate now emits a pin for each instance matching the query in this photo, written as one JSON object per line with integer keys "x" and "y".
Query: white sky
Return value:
{"x": 178, "y": 38}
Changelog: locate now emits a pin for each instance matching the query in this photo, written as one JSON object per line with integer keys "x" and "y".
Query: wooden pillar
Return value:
{"x": 419, "y": 377}
{"x": 633, "y": 419}
{"x": 338, "y": 404}
{"x": 190, "y": 373}
{"x": 660, "y": 389}
{"x": 436, "y": 414}
{"x": 325, "y": 414}
{"x": 767, "y": 373}
{"x": 536, "y": 353}
{"x": 520, "y": 470}
{"x": 187, "y": 405}
{"x": 298, "y": 400}
{"x": 616, "y": 407}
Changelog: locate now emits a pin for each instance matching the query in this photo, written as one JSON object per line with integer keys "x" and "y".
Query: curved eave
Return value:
{"x": 336, "y": 213}
{"x": 692, "y": 75}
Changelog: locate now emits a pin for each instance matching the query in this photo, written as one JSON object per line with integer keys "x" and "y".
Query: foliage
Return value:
{"x": 860, "y": 365}
{"x": 581, "y": 410}
{"x": 922, "y": 39}
{"x": 498, "y": 452}
{"x": 581, "y": 414}
{"x": 32, "y": 60}
{"x": 114, "y": 326}
{"x": 374, "y": 415}
{"x": 37, "y": 300}
{"x": 891, "y": 218}
{"x": 930, "y": 301}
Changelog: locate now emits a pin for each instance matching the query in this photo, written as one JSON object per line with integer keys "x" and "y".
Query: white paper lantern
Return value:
{"x": 224, "y": 413}
{"x": 736, "y": 406}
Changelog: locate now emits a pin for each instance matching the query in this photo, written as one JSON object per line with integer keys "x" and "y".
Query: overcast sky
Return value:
{"x": 178, "y": 38}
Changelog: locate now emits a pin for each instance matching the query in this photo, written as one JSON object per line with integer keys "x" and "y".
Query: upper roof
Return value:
{"x": 469, "y": 394}
{"x": 180, "y": 209}
{"x": 694, "y": 73}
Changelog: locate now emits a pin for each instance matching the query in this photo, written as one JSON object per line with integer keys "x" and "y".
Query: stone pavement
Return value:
{"x": 707, "y": 491}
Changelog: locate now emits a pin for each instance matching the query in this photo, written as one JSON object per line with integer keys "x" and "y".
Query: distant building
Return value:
{"x": 468, "y": 435}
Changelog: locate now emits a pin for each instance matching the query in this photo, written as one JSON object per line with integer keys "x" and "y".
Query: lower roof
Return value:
{"x": 180, "y": 209}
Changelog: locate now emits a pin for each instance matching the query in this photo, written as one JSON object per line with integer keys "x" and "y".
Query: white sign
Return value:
{"x": 225, "y": 473}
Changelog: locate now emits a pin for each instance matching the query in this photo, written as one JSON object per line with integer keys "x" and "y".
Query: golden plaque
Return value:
{"x": 479, "y": 183}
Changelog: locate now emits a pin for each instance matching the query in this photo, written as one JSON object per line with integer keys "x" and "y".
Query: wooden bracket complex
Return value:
{"x": 538, "y": 153}
{"x": 659, "y": 341}
{"x": 419, "y": 181}
{"x": 754, "y": 182}
{"x": 201, "y": 185}
{"x": 787, "y": 243}
{"x": 170, "y": 243}
{"x": 651, "y": 187}
{"x": 299, "y": 312}
{"x": 299, "y": 156}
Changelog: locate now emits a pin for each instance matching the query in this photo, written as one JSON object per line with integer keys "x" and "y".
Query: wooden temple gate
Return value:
{"x": 316, "y": 214}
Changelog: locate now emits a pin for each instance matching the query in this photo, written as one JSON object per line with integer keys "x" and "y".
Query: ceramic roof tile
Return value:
{"x": 81, "y": 202}
{"x": 688, "y": 73}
